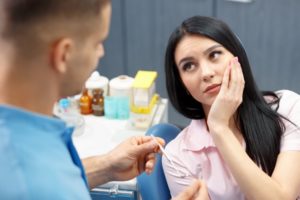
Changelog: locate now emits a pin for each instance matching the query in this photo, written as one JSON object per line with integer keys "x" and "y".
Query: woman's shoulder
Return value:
{"x": 289, "y": 107}
{"x": 289, "y": 101}
{"x": 179, "y": 141}
{"x": 287, "y": 94}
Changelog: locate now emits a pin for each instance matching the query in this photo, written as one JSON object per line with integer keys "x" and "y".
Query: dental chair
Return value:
{"x": 154, "y": 186}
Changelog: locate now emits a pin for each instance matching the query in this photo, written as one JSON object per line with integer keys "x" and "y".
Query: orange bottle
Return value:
{"x": 85, "y": 103}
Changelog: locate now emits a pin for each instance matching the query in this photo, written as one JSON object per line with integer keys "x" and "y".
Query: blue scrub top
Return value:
{"x": 37, "y": 158}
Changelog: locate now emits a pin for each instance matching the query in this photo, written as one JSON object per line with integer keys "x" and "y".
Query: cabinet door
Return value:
{"x": 149, "y": 24}
{"x": 270, "y": 32}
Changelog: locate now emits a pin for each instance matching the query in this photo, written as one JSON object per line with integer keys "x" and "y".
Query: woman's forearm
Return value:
{"x": 252, "y": 180}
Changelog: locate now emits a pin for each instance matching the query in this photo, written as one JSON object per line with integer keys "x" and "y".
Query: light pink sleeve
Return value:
{"x": 290, "y": 108}
{"x": 176, "y": 180}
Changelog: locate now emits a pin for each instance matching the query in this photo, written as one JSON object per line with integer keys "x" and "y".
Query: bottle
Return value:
{"x": 98, "y": 102}
{"x": 96, "y": 81}
{"x": 70, "y": 116}
{"x": 85, "y": 102}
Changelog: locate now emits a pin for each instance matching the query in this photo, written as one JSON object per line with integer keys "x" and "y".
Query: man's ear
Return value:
{"x": 61, "y": 53}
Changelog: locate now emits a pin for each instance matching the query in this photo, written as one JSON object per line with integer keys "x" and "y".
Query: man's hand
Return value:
{"x": 196, "y": 191}
{"x": 132, "y": 157}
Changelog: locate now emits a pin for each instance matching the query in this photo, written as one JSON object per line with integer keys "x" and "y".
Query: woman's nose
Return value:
{"x": 207, "y": 73}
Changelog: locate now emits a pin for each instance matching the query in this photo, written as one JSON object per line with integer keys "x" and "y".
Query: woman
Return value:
{"x": 243, "y": 143}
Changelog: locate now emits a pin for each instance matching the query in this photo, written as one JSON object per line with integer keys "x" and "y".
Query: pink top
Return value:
{"x": 194, "y": 153}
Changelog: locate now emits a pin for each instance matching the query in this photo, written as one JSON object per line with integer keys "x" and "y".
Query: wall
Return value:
{"x": 268, "y": 29}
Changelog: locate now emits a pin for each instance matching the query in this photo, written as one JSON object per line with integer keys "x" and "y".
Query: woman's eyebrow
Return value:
{"x": 204, "y": 53}
{"x": 184, "y": 60}
{"x": 211, "y": 48}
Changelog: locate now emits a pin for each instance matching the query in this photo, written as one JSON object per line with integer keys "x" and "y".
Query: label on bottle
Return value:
{"x": 98, "y": 110}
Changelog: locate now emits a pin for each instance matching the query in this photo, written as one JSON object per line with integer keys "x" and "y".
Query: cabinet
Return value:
{"x": 268, "y": 29}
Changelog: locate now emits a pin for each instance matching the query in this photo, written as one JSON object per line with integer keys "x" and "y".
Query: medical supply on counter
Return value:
{"x": 70, "y": 116}
{"x": 85, "y": 102}
{"x": 144, "y": 88}
{"x": 98, "y": 102}
{"x": 123, "y": 107}
{"x": 144, "y": 99}
{"x": 96, "y": 81}
{"x": 121, "y": 86}
{"x": 117, "y": 107}
{"x": 143, "y": 119}
{"x": 120, "y": 98}
{"x": 110, "y": 110}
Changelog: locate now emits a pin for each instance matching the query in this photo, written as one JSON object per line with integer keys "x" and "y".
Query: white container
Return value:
{"x": 96, "y": 81}
{"x": 121, "y": 86}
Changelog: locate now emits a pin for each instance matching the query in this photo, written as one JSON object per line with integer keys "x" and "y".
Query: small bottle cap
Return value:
{"x": 64, "y": 103}
{"x": 96, "y": 81}
{"x": 97, "y": 91}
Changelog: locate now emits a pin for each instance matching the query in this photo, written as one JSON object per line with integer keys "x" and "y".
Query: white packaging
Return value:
{"x": 97, "y": 81}
{"x": 121, "y": 86}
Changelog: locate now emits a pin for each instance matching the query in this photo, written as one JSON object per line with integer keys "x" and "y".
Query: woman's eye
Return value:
{"x": 215, "y": 55}
{"x": 188, "y": 66}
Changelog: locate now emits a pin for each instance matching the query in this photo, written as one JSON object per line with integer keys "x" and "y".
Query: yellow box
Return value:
{"x": 144, "y": 88}
{"x": 145, "y": 109}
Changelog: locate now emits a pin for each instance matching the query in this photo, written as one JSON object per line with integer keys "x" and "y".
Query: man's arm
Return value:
{"x": 129, "y": 159}
{"x": 97, "y": 170}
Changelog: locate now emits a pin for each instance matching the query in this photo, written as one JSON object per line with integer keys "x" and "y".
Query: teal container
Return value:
{"x": 116, "y": 107}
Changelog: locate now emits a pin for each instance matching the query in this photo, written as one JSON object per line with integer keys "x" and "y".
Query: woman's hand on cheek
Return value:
{"x": 229, "y": 97}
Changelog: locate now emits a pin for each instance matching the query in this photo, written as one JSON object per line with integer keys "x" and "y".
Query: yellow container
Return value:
{"x": 144, "y": 89}
{"x": 145, "y": 109}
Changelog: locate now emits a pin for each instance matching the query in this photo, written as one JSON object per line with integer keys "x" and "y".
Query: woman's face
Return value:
{"x": 201, "y": 63}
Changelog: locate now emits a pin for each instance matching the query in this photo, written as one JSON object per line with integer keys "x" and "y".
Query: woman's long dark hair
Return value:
{"x": 260, "y": 125}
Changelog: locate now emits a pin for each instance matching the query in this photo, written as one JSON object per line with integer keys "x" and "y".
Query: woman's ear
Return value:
{"x": 61, "y": 53}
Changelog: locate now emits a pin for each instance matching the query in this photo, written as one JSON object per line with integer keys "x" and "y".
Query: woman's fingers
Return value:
{"x": 226, "y": 79}
{"x": 241, "y": 80}
{"x": 234, "y": 79}
{"x": 236, "y": 82}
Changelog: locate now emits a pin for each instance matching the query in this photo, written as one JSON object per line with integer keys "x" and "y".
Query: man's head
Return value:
{"x": 60, "y": 38}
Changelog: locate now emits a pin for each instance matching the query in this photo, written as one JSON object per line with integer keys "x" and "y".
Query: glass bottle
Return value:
{"x": 98, "y": 102}
{"x": 85, "y": 102}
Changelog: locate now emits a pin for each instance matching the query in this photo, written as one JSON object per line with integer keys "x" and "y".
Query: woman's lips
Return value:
{"x": 212, "y": 88}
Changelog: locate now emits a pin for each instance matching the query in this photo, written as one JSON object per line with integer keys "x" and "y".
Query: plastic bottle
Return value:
{"x": 96, "y": 81}
{"x": 85, "y": 102}
{"x": 71, "y": 117}
{"x": 98, "y": 102}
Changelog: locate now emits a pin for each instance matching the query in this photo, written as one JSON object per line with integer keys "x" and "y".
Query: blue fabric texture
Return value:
{"x": 37, "y": 158}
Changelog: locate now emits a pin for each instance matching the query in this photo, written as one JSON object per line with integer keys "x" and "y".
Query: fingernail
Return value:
{"x": 153, "y": 144}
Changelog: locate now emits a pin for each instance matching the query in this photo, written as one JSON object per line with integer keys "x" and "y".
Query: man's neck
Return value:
{"x": 35, "y": 94}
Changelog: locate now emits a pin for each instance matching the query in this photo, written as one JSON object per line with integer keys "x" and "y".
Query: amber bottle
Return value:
{"x": 98, "y": 102}
{"x": 85, "y": 103}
